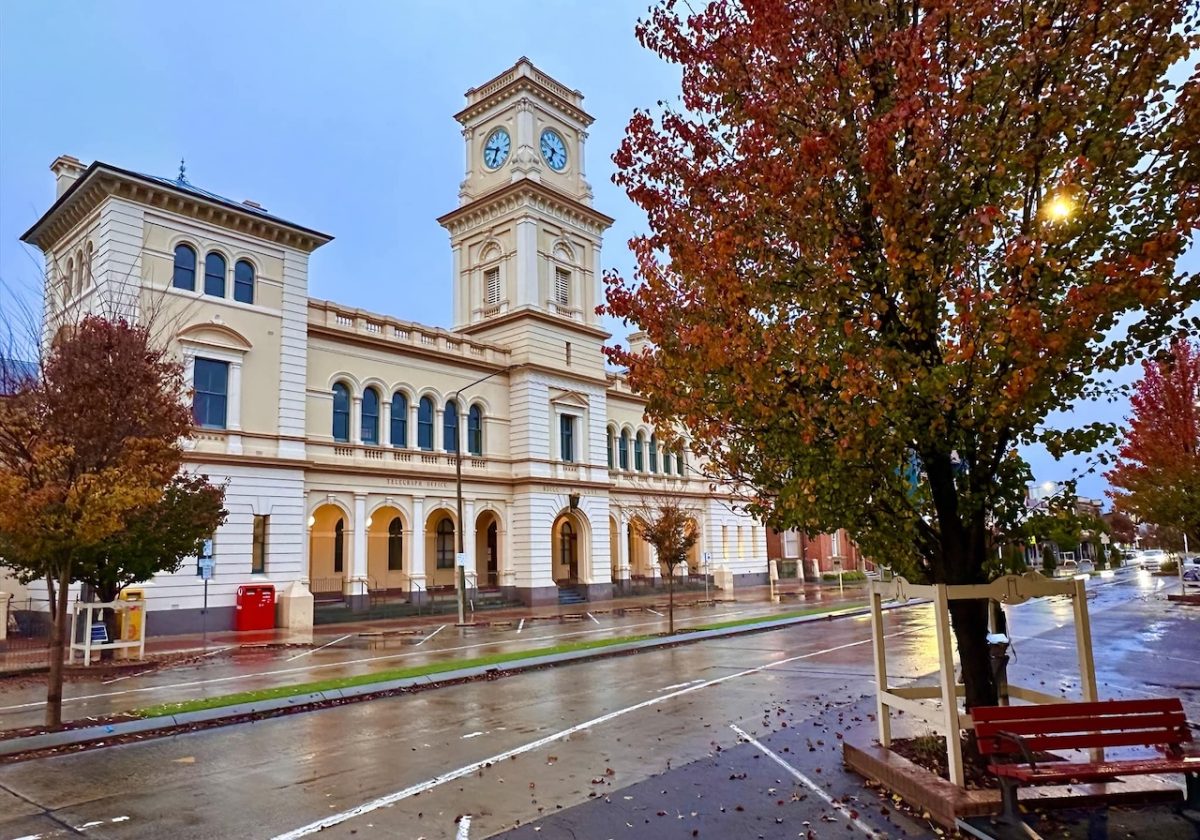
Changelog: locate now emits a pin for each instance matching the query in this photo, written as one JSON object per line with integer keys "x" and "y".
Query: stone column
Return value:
{"x": 413, "y": 427}
{"x": 356, "y": 421}
{"x": 385, "y": 419}
{"x": 439, "y": 444}
{"x": 416, "y": 571}
{"x": 623, "y": 550}
{"x": 357, "y": 581}
{"x": 233, "y": 409}
{"x": 468, "y": 526}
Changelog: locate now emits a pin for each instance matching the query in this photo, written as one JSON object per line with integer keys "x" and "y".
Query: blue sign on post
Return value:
{"x": 206, "y": 568}
{"x": 99, "y": 633}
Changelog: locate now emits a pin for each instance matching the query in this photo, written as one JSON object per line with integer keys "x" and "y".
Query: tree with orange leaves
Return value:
{"x": 887, "y": 239}
{"x": 1157, "y": 475}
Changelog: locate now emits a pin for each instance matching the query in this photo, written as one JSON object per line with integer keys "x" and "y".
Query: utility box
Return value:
{"x": 296, "y": 608}
{"x": 129, "y": 622}
{"x": 255, "y": 609}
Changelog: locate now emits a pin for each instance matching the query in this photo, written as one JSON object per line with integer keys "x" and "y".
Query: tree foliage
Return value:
{"x": 90, "y": 457}
{"x": 670, "y": 527}
{"x": 1157, "y": 475}
{"x": 886, "y": 240}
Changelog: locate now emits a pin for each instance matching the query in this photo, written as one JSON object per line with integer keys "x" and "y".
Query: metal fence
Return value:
{"x": 28, "y": 636}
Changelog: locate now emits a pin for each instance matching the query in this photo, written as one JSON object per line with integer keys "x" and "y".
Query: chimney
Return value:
{"x": 638, "y": 343}
{"x": 66, "y": 171}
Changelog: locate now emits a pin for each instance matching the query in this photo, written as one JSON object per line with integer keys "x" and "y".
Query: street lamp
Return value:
{"x": 460, "y": 574}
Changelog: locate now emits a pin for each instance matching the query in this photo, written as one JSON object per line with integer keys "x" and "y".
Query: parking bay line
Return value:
{"x": 804, "y": 780}
{"x": 322, "y": 647}
{"x": 306, "y": 668}
{"x": 469, "y": 769}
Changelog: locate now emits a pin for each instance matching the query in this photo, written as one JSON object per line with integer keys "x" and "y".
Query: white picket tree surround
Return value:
{"x": 938, "y": 706}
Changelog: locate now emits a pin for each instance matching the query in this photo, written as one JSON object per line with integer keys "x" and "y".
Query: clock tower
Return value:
{"x": 525, "y": 237}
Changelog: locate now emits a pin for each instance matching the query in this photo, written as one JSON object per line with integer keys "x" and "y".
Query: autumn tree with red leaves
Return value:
{"x": 90, "y": 471}
{"x": 1157, "y": 475}
{"x": 887, "y": 239}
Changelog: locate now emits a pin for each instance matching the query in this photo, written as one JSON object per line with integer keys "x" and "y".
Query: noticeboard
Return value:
{"x": 99, "y": 633}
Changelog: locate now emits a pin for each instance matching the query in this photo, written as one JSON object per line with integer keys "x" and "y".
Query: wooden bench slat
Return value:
{"x": 1042, "y": 726}
{"x": 1059, "y": 771}
{"x": 989, "y": 714}
{"x": 1082, "y": 741}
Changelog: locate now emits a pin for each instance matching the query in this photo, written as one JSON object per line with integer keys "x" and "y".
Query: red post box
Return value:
{"x": 255, "y": 607}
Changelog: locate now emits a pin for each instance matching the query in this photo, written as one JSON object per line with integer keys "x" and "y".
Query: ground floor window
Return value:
{"x": 258, "y": 550}
{"x": 395, "y": 545}
{"x": 445, "y": 544}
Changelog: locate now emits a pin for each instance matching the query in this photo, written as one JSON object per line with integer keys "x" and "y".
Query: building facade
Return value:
{"x": 340, "y": 433}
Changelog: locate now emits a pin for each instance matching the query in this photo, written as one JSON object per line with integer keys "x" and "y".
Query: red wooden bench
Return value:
{"x": 1023, "y": 731}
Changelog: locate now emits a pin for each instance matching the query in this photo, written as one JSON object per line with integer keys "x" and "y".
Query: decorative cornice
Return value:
{"x": 102, "y": 181}
{"x": 525, "y": 194}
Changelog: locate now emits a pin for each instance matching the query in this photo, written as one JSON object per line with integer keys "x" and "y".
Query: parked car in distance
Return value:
{"x": 1191, "y": 575}
{"x": 1152, "y": 559}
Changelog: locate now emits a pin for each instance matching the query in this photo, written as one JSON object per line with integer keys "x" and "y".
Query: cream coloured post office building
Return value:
{"x": 335, "y": 429}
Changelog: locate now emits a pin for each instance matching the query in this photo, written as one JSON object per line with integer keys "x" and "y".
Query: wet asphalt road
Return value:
{"x": 22, "y": 702}
{"x": 565, "y": 747}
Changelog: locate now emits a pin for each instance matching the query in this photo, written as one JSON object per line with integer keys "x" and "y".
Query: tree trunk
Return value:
{"x": 969, "y": 620}
{"x": 54, "y": 680}
{"x": 670, "y": 599}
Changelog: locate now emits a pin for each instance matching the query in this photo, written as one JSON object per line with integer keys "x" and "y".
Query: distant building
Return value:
{"x": 813, "y": 556}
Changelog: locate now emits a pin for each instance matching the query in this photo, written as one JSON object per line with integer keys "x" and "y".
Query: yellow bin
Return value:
{"x": 130, "y": 621}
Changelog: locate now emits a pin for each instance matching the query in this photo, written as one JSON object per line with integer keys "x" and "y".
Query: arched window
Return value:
{"x": 475, "y": 430}
{"x": 341, "y": 412}
{"x": 87, "y": 272}
{"x": 450, "y": 426}
{"x": 214, "y": 275}
{"x": 396, "y": 545}
{"x": 679, "y": 462}
{"x": 69, "y": 282}
{"x": 425, "y": 424}
{"x": 623, "y": 450}
{"x": 184, "y": 276}
{"x": 445, "y": 544}
{"x": 653, "y": 453}
{"x": 399, "y": 420}
{"x": 639, "y": 458}
{"x": 243, "y": 282}
{"x": 339, "y": 546}
{"x": 82, "y": 269}
{"x": 609, "y": 440}
{"x": 666, "y": 462}
{"x": 370, "y": 416}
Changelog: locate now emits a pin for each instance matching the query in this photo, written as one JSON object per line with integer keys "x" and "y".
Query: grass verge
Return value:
{"x": 430, "y": 668}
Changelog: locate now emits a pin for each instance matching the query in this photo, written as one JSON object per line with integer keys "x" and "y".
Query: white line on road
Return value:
{"x": 656, "y": 612}
{"x": 677, "y": 685}
{"x": 593, "y": 618}
{"x": 464, "y": 827}
{"x": 431, "y": 635}
{"x": 127, "y": 676}
{"x": 521, "y": 626}
{"x": 469, "y": 769}
{"x": 807, "y": 782}
{"x": 322, "y": 647}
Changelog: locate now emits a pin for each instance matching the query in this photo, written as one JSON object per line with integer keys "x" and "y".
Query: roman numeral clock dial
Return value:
{"x": 495, "y": 149}
{"x": 554, "y": 150}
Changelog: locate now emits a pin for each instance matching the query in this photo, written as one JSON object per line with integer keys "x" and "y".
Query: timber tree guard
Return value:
{"x": 923, "y": 701}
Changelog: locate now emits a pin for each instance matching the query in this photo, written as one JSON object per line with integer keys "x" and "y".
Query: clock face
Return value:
{"x": 495, "y": 150}
{"x": 554, "y": 150}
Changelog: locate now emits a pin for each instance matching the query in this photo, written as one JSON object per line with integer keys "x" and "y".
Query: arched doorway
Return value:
{"x": 487, "y": 549}
{"x": 568, "y": 550}
{"x": 441, "y": 544}
{"x": 328, "y": 551}
{"x": 387, "y": 549}
{"x": 614, "y": 548}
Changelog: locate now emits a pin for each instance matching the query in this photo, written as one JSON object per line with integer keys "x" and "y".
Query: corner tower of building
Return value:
{"x": 525, "y": 237}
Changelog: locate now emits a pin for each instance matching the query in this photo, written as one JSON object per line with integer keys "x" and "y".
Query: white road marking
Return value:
{"x": 677, "y": 685}
{"x": 807, "y": 782}
{"x": 469, "y": 769}
{"x": 322, "y": 647}
{"x": 521, "y": 625}
{"x": 473, "y": 735}
{"x": 344, "y": 663}
{"x": 431, "y": 635}
{"x": 593, "y": 618}
{"x": 464, "y": 827}
{"x": 656, "y": 612}
{"x": 127, "y": 676}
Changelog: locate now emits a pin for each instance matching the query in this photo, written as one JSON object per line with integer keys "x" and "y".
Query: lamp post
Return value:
{"x": 460, "y": 571}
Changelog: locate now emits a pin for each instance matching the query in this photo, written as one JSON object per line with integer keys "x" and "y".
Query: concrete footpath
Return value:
{"x": 233, "y": 713}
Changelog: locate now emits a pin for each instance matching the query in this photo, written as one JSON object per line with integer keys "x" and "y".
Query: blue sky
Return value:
{"x": 337, "y": 116}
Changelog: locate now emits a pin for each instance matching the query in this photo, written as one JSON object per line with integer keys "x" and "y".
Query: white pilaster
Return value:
{"x": 417, "y": 555}
{"x": 527, "y": 265}
{"x": 358, "y": 560}
{"x": 356, "y": 420}
{"x": 385, "y": 418}
{"x": 233, "y": 409}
